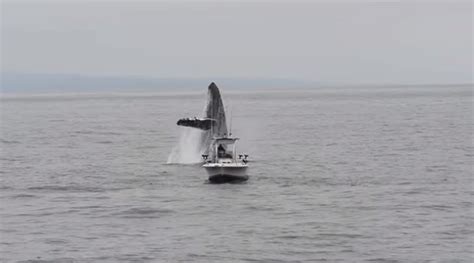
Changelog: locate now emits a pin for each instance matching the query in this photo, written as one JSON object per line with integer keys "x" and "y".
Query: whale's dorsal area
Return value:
{"x": 215, "y": 110}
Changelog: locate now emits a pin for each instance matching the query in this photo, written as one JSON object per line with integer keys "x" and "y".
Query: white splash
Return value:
{"x": 189, "y": 148}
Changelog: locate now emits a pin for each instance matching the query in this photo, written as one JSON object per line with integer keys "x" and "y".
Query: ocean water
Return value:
{"x": 379, "y": 174}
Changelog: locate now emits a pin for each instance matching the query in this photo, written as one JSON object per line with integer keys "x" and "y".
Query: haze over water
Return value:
{"x": 336, "y": 174}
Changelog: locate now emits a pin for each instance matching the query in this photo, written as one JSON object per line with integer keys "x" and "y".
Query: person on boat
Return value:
{"x": 220, "y": 151}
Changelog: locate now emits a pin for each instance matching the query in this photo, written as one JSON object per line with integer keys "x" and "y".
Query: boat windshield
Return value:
{"x": 222, "y": 153}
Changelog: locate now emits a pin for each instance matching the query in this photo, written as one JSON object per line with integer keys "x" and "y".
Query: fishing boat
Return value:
{"x": 222, "y": 164}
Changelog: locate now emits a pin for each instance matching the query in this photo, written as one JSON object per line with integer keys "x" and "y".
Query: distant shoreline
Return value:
{"x": 20, "y": 83}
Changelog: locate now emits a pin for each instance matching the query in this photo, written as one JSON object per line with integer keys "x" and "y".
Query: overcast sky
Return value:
{"x": 342, "y": 42}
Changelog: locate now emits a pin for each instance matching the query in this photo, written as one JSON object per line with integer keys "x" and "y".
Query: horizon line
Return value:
{"x": 228, "y": 78}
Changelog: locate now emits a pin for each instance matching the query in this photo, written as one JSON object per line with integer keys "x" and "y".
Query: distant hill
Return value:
{"x": 40, "y": 83}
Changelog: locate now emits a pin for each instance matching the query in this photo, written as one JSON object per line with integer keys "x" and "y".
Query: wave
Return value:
{"x": 143, "y": 212}
{"x": 71, "y": 188}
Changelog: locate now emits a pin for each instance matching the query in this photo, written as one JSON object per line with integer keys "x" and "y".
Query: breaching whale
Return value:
{"x": 216, "y": 146}
{"x": 214, "y": 123}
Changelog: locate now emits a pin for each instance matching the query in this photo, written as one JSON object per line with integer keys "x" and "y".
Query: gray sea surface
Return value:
{"x": 341, "y": 174}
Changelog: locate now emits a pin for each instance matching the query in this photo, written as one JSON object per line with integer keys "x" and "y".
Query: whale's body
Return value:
{"x": 214, "y": 123}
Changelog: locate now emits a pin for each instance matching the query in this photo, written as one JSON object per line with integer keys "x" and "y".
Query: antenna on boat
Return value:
{"x": 230, "y": 126}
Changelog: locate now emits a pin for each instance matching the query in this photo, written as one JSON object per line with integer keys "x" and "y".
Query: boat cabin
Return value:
{"x": 224, "y": 150}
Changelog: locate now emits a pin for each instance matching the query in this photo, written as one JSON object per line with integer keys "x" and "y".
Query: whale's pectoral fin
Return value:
{"x": 203, "y": 124}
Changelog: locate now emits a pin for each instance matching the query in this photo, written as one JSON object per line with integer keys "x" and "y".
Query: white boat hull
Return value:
{"x": 221, "y": 173}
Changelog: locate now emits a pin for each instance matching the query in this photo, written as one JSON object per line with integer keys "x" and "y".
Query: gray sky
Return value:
{"x": 342, "y": 42}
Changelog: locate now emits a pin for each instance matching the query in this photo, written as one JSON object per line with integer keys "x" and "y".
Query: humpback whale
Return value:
{"x": 214, "y": 123}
